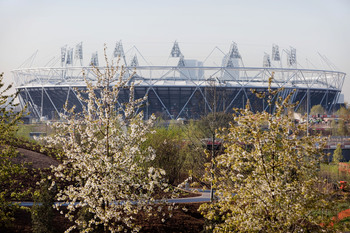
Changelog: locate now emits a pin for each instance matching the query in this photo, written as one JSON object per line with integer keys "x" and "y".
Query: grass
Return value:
{"x": 24, "y": 129}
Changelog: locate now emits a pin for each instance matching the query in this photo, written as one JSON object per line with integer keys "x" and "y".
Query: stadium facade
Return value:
{"x": 183, "y": 88}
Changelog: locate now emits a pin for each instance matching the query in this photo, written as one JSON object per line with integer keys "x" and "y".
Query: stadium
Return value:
{"x": 183, "y": 88}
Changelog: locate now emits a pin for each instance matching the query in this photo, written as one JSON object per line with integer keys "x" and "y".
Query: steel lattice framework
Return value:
{"x": 181, "y": 91}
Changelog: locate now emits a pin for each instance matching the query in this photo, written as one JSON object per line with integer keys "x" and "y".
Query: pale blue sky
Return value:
{"x": 310, "y": 26}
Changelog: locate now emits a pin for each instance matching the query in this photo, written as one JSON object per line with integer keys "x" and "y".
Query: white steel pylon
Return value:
{"x": 134, "y": 62}
{"x": 94, "y": 59}
{"x": 266, "y": 61}
{"x": 175, "y": 51}
{"x": 275, "y": 53}
{"x": 230, "y": 60}
{"x": 292, "y": 57}
{"x": 78, "y": 53}
{"x": 119, "y": 51}
{"x": 234, "y": 53}
{"x": 69, "y": 60}
{"x": 63, "y": 54}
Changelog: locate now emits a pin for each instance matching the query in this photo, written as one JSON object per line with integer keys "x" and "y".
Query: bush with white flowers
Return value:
{"x": 104, "y": 159}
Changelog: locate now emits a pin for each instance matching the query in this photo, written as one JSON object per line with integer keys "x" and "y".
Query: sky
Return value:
{"x": 311, "y": 26}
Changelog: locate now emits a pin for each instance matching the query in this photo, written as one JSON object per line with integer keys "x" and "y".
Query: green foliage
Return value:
{"x": 198, "y": 133}
{"x": 334, "y": 128}
{"x": 317, "y": 109}
{"x": 195, "y": 151}
{"x": 339, "y": 128}
{"x": 342, "y": 129}
{"x": 267, "y": 180}
{"x": 170, "y": 150}
{"x": 6, "y": 211}
{"x": 42, "y": 211}
{"x": 331, "y": 173}
{"x": 9, "y": 171}
{"x": 214, "y": 121}
{"x": 343, "y": 113}
{"x": 338, "y": 154}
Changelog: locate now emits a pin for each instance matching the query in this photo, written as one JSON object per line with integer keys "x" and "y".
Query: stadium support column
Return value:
{"x": 307, "y": 110}
{"x": 42, "y": 102}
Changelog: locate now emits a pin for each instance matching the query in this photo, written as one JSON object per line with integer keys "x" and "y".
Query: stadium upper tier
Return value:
{"x": 186, "y": 76}
{"x": 186, "y": 89}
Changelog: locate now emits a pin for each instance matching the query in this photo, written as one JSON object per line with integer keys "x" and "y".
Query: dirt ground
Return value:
{"x": 34, "y": 159}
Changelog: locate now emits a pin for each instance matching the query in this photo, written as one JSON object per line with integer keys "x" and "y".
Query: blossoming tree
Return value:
{"x": 104, "y": 160}
{"x": 266, "y": 181}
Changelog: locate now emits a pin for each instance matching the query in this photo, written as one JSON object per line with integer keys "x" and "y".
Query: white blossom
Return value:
{"x": 266, "y": 181}
{"x": 104, "y": 159}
